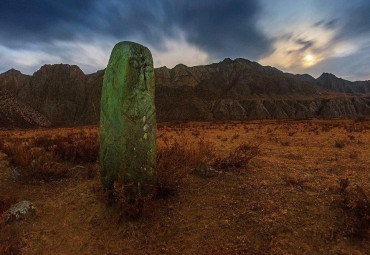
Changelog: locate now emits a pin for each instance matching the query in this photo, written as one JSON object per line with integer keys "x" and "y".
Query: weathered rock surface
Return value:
{"x": 59, "y": 92}
{"x": 330, "y": 82}
{"x": 19, "y": 211}
{"x": 128, "y": 121}
{"x": 230, "y": 89}
{"x": 15, "y": 113}
{"x": 12, "y": 81}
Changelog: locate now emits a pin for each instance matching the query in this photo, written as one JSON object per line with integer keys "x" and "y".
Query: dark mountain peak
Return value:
{"x": 330, "y": 82}
{"x": 12, "y": 81}
{"x": 271, "y": 68}
{"x": 305, "y": 77}
{"x": 60, "y": 68}
{"x": 12, "y": 72}
{"x": 242, "y": 60}
{"x": 227, "y": 61}
{"x": 230, "y": 89}
{"x": 327, "y": 75}
{"x": 162, "y": 68}
{"x": 97, "y": 73}
{"x": 180, "y": 66}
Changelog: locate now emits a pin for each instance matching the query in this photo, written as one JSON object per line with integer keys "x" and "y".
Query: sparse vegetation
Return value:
{"x": 176, "y": 160}
{"x": 287, "y": 192}
{"x": 339, "y": 144}
{"x": 356, "y": 209}
{"x": 237, "y": 158}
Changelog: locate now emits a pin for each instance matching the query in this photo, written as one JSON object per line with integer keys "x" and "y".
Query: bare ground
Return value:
{"x": 286, "y": 201}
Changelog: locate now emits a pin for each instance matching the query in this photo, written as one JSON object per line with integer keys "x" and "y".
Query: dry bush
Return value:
{"x": 195, "y": 133}
{"x": 339, "y": 144}
{"x": 126, "y": 207}
{"x": 235, "y": 137}
{"x": 285, "y": 143}
{"x": 5, "y": 203}
{"x": 356, "y": 208}
{"x": 176, "y": 160}
{"x": 9, "y": 243}
{"x": 91, "y": 170}
{"x": 326, "y": 128}
{"x": 34, "y": 164}
{"x": 354, "y": 155}
{"x": 76, "y": 148}
{"x": 293, "y": 180}
{"x": 238, "y": 158}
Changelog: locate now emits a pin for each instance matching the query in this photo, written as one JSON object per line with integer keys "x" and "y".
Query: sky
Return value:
{"x": 298, "y": 36}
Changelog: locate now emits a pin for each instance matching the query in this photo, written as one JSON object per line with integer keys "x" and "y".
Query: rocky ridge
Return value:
{"x": 62, "y": 95}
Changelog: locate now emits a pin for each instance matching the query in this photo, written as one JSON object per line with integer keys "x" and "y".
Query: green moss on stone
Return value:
{"x": 128, "y": 120}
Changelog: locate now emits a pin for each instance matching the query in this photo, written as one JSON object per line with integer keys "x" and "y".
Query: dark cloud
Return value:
{"x": 356, "y": 21}
{"x": 224, "y": 28}
{"x": 319, "y": 23}
{"x": 306, "y": 44}
{"x": 331, "y": 24}
{"x": 221, "y": 28}
{"x": 352, "y": 21}
{"x": 46, "y": 31}
{"x": 24, "y": 21}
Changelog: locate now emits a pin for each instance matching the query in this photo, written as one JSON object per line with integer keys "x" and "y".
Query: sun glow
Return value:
{"x": 308, "y": 60}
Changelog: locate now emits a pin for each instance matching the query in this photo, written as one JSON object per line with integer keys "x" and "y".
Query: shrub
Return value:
{"x": 5, "y": 204}
{"x": 235, "y": 136}
{"x": 339, "y": 144}
{"x": 177, "y": 160}
{"x": 285, "y": 143}
{"x": 238, "y": 158}
{"x": 356, "y": 208}
{"x": 79, "y": 150}
{"x": 292, "y": 180}
{"x": 34, "y": 163}
{"x": 9, "y": 239}
{"x": 131, "y": 208}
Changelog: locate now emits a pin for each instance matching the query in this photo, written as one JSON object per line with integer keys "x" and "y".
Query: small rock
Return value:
{"x": 17, "y": 175}
{"x": 19, "y": 211}
{"x": 204, "y": 171}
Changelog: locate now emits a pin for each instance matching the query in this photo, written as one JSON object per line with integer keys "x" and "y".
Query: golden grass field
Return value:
{"x": 305, "y": 191}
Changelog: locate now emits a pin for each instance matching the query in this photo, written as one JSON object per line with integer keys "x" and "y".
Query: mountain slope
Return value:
{"x": 330, "y": 82}
{"x": 231, "y": 89}
{"x": 15, "y": 113}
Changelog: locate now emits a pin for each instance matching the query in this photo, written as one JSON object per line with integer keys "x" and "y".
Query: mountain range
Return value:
{"x": 62, "y": 95}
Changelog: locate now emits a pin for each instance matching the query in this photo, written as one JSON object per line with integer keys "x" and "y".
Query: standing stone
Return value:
{"x": 128, "y": 122}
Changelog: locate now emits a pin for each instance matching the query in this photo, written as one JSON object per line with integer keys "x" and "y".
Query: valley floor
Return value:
{"x": 287, "y": 200}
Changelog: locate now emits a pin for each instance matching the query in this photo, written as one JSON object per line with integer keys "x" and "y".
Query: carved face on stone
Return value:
{"x": 127, "y": 125}
{"x": 136, "y": 68}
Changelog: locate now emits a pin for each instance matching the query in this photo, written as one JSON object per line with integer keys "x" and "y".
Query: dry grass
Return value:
{"x": 178, "y": 159}
{"x": 288, "y": 202}
{"x": 9, "y": 243}
{"x": 47, "y": 158}
{"x": 356, "y": 209}
{"x": 238, "y": 158}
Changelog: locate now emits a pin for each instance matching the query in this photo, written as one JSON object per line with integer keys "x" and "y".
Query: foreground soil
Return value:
{"x": 285, "y": 201}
